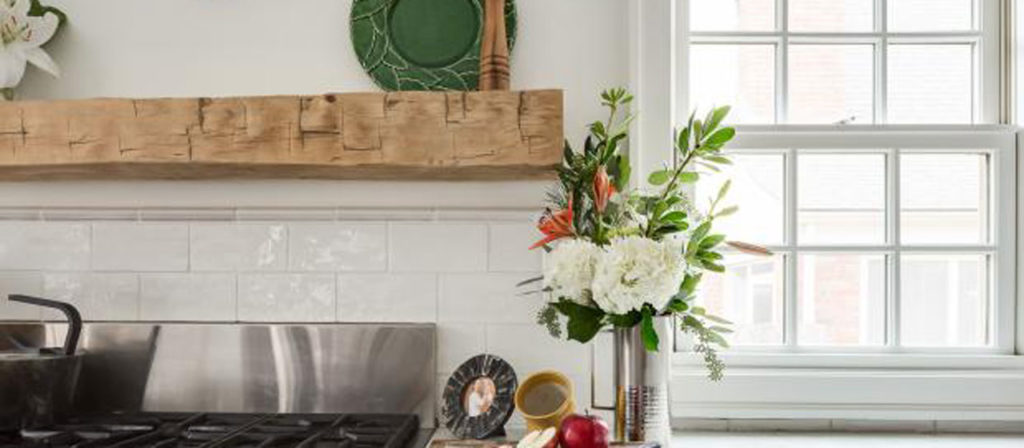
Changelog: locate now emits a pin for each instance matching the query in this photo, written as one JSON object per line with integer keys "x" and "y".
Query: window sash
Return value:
{"x": 996, "y": 141}
{"x": 984, "y": 38}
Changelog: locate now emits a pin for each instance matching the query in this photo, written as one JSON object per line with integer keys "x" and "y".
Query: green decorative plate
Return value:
{"x": 422, "y": 44}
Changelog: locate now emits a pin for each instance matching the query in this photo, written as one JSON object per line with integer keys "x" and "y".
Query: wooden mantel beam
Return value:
{"x": 396, "y": 135}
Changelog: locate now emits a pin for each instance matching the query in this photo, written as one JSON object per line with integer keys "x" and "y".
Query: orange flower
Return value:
{"x": 603, "y": 189}
{"x": 555, "y": 225}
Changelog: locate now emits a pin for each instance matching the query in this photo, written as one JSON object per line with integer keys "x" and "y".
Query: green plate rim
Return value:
{"x": 391, "y": 72}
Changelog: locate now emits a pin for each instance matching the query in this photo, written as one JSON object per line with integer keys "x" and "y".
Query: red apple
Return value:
{"x": 583, "y": 431}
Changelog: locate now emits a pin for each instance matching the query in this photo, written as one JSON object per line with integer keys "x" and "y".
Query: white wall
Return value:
{"x": 449, "y": 253}
{"x": 153, "y": 48}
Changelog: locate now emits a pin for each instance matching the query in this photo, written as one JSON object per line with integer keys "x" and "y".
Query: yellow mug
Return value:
{"x": 545, "y": 398}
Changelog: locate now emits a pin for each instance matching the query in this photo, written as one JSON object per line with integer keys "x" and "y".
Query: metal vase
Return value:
{"x": 642, "y": 385}
{"x": 642, "y": 379}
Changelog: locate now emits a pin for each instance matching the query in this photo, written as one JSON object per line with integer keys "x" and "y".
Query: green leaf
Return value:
{"x": 722, "y": 160}
{"x": 628, "y": 320}
{"x": 698, "y": 234}
{"x": 647, "y": 333}
{"x": 717, "y": 319}
{"x": 584, "y": 321}
{"x": 720, "y": 329}
{"x": 588, "y": 147}
{"x": 660, "y": 177}
{"x": 717, "y": 339}
{"x": 692, "y": 322}
{"x": 683, "y": 139}
{"x": 720, "y": 137}
{"x": 713, "y": 267}
{"x": 711, "y": 241}
{"x": 622, "y": 173}
{"x": 677, "y": 306}
{"x": 677, "y": 216}
{"x": 689, "y": 284}
{"x": 727, "y": 211}
{"x": 717, "y": 116}
{"x": 724, "y": 190}
{"x": 688, "y": 177}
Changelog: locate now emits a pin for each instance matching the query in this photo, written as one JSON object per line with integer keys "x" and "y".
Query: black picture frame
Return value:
{"x": 491, "y": 422}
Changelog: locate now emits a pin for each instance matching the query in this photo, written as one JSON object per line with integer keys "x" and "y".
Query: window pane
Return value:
{"x": 830, "y": 83}
{"x": 749, "y": 293}
{"x": 742, "y": 76}
{"x": 930, "y": 15}
{"x": 841, "y": 299}
{"x": 944, "y": 300}
{"x": 732, "y": 15}
{"x": 943, "y": 198}
{"x": 831, "y": 15}
{"x": 841, "y": 198}
{"x": 931, "y": 83}
{"x": 757, "y": 188}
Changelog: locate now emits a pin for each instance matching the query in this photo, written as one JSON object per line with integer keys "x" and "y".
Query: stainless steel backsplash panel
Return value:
{"x": 337, "y": 368}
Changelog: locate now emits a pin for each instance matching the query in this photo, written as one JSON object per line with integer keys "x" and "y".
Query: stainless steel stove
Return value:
{"x": 223, "y": 430}
{"x": 241, "y": 385}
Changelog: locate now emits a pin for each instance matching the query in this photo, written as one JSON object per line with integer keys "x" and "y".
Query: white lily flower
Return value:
{"x": 21, "y": 37}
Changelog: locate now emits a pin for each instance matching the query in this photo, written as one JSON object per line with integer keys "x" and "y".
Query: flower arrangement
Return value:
{"x": 25, "y": 25}
{"x": 619, "y": 258}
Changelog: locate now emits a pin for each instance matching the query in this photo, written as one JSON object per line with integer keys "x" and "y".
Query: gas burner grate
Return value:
{"x": 172, "y": 430}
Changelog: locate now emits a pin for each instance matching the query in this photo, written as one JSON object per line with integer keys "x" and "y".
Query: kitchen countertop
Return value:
{"x": 844, "y": 440}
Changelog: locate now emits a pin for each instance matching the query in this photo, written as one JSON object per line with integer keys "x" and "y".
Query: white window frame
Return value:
{"x": 838, "y": 383}
{"x": 985, "y": 38}
{"x": 998, "y": 142}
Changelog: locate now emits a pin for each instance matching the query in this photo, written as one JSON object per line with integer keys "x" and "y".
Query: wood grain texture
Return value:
{"x": 494, "y": 65}
{"x": 397, "y": 135}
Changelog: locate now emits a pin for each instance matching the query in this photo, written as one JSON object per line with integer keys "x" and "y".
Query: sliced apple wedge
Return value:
{"x": 546, "y": 438}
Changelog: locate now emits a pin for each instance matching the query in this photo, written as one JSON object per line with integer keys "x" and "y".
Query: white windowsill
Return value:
{"x": 883, "y": 386}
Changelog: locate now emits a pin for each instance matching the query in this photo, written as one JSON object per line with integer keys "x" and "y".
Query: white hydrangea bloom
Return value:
{"x": 635, "y": 270}
{"x": 569, "y": 270}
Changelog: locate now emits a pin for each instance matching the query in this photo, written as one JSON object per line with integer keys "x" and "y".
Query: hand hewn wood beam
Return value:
{"x": 397, "y": 135}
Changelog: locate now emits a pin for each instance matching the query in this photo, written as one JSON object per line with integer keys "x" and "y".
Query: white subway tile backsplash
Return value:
{"x": 487, "y": 298}
{"x": 510, "y": 248}
{"x": 438, "y": 247}
{"x": 25, "y": 283}
{"x": 387, "y": 297}
{"x": 139, "y": 247}
{"x": 455, "y": 266}
{"x": 98, "y": 297}
{"x": 286, "y": 297}
{"x": 529, "y": 348}
{"x": 337, "y": 247}
{"x": 33, "y": 245}
{"x": 187, "y": 297}
{"x": 456, "y": 343}
{"x": 237, "y": 247}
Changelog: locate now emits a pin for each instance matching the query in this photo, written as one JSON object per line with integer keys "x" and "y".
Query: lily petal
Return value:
{"x": 43, "y": 28}
{"x": 12, "y": 68}
{"x": 18, "y": 7}
{"x": 40, "y": 59}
